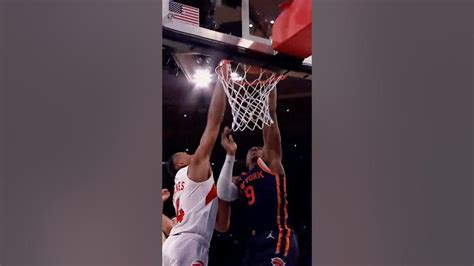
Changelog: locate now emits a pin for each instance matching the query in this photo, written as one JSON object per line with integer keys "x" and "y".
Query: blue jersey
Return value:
{"x": 264, "y": 195}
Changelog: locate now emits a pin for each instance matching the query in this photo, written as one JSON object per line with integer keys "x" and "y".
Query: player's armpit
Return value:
{"x": 223, "y": 216}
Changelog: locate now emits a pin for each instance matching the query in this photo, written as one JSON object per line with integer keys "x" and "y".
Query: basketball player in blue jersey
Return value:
{"x": 263, "y": 189}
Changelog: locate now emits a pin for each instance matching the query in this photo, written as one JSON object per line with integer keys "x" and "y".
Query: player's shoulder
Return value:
{"x": 182, "y": 171}
{"x": 264, "y": 166}
{"x": 274, "y": 167}
{"x": 181, "y": 174}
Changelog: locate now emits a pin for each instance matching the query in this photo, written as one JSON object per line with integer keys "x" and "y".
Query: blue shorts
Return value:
{"x": 272, "y": 247}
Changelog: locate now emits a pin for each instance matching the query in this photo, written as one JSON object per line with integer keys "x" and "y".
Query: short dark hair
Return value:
{"x": 258, "y": 147}
{"x": 169, "y": 165}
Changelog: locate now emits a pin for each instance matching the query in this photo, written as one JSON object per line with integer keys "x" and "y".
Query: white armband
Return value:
{"x": 226, "y": 190}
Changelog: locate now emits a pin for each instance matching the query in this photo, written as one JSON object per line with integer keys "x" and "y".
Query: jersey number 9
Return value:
{"x": 250, "y": 195}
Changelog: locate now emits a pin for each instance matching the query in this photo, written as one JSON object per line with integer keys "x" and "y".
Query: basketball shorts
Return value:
{"x": 270, "y": 247}
{"x": 185, "y": 249}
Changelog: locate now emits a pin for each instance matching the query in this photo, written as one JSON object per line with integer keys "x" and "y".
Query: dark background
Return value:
{"x": 392, "y": 133}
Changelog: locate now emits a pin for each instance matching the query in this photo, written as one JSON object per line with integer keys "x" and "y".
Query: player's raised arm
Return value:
{"x": 199, "y": 169}
{"x": 227, "y": 191}
{"x": 272, "y": 151}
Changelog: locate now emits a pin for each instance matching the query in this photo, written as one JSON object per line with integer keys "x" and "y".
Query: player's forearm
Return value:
{"x": 226, "y": 190}
{"x": 271, "y": 131}
{"x": 223, "y": 217}
{"x": 272, "y": 101}
{"x": 217, "y": 107}
{"x": 167, "y": 224}
{"x": 272, "y": 139}
{"x": 274, "y": 117}
{"x": 214, "y": 119}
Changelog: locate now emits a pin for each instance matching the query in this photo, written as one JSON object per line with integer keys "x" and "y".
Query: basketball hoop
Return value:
{"x": 248, "y": 98}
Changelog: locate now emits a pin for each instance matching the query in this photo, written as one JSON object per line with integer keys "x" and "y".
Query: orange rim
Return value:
{"x": 268, "y": 80}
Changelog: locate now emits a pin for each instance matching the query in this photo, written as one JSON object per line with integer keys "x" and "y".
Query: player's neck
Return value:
{"x": 252, "y": 165}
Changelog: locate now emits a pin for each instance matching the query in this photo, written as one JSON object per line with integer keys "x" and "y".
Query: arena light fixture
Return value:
{"x": 235, "y": 76}
{"x": 202, "y": 78}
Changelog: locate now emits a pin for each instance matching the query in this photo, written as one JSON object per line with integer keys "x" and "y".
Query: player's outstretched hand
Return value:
{"x": 228, "y": 142}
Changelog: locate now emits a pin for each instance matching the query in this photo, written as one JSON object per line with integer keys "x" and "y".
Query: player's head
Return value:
{"x": 177, "y": 161}
{"x": 181, "y": 160}
{"x": 252, "y": 155}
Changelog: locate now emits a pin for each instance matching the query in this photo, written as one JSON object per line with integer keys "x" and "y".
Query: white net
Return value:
{"x": 248, "y": 99}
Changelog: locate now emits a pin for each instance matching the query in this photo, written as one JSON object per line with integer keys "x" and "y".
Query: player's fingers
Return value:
{"x": 227, "y": 131}
{"x": 231, "y": 138}
{"x": 224, "y": 135}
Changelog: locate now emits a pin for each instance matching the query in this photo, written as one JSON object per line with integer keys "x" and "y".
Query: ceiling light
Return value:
{"x": 235, "y": 76}
{"x": 202, "y": 77}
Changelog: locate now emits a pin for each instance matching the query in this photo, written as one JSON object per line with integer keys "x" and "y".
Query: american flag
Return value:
{"x": 184, "y": 13}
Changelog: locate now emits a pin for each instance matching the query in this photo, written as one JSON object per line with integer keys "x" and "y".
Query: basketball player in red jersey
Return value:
{"x": 263, "y": 189}
{"x": 195, "y": 196}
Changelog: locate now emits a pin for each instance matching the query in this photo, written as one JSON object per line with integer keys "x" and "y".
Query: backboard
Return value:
{"x": 203, "y": 31}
